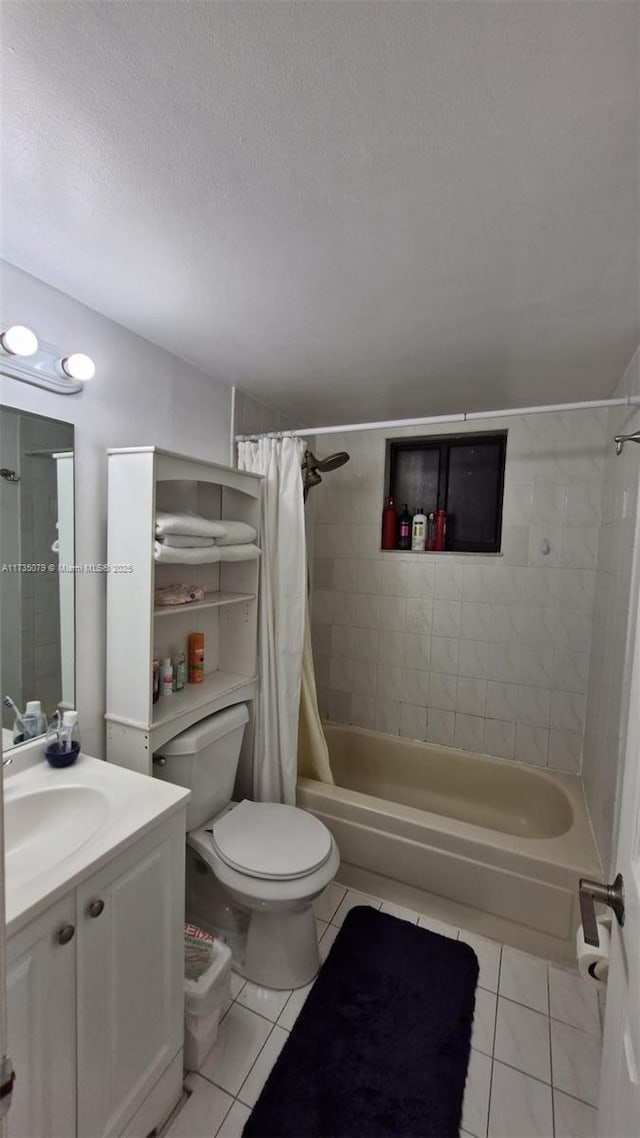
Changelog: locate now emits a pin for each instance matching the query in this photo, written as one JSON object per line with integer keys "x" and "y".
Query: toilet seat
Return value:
{"x": 270, "y": 841}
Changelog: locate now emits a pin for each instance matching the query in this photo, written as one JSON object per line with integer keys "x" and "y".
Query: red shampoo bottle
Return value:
{"x": 388, "y": 539}
{"x": 441, "y": 529}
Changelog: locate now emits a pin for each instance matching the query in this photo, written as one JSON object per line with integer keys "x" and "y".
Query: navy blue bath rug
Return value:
{"x": 381, "y": 1046}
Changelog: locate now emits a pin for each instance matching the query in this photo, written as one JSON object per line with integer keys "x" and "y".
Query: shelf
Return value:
{"x": 216, "y": 686}
{"x": 211, "y": 601}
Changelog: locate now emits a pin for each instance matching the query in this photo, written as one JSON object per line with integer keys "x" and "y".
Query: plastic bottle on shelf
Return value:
{"x": 441, "y": 529}
{"x": 419, "y": 531}
{"x": 178, "y": 663}
{"x": 388, "y": 539}
{"x": 166, "y": 677}
{"x": 431, "y": 532}
{"x": 196, "y": 658}
{"x": 155, "y": 677}
{"x": 404, "y": 529}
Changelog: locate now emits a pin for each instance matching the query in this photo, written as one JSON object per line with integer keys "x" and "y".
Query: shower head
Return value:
{"x": 311, "y": 467}
{"x": 331, "y": 462}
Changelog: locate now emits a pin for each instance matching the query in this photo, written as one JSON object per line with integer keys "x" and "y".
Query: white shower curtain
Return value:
{"x": 282, "y": 614}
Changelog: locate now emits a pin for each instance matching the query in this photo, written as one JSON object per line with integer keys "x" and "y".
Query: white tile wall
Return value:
{"x": 491, "y": 653}
{"x": 607, "y": 700}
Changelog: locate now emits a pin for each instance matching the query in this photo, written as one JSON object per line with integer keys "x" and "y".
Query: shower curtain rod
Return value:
{"x": 430, "y": 420}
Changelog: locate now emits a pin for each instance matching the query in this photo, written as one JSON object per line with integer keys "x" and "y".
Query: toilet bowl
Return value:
{"x": 273, "y": 861}
{"x": 262, "y": 863}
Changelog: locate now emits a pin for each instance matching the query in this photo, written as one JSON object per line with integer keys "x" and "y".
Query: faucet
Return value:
{"x": 620, "y": 440}
{"x": 6, "y": 762}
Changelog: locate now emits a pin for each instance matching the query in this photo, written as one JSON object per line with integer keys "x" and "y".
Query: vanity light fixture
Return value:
{"x": 23, "y": 357}
{"x": 19, "y": 341}
{"x": 78, "y": 366}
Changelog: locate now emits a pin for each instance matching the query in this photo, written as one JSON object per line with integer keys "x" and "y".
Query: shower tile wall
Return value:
{"x": 487, "y": 653}
{"x": 614, "y": 623}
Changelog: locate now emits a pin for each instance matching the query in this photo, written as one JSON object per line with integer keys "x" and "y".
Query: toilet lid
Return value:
{"x": 269, "y": 840}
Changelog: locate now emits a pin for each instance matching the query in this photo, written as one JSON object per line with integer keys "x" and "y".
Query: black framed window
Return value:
{"x": 462, "y": 474}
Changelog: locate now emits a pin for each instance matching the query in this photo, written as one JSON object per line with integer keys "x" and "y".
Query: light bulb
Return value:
{"x": 19, "y": 341}
{"x": 78, "y": 366}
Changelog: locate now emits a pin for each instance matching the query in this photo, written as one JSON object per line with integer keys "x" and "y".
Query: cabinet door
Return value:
{"x": 130, "y": 979}
{"x": 41, "y": 1025}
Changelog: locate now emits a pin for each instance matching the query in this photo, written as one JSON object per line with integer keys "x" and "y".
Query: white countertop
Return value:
{"x": 114, "y": 808}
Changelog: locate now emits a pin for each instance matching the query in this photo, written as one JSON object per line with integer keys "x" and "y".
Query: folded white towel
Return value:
{"x": 185, "y": 541}
{"x": 187, "y": 524}
{"x": 236, "y": 533}
{"x": 172, "y": 556}
{"x": 238, "y": 552}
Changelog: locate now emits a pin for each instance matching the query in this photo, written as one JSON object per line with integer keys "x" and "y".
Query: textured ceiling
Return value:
{"x": 352, "y": 210}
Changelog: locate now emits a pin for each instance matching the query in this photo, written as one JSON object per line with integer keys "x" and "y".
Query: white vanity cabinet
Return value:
{"x": 41, "y": 1023}
{"x": 95, "y": 999}
{"x": 142, "y": 480}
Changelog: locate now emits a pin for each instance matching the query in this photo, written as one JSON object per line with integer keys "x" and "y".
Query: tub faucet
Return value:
{"x": 620, "y": 440}
{"x": 6, "y": 762}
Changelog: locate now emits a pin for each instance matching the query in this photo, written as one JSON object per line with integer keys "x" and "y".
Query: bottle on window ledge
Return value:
{"x": 441, "y": 529}
{"x": 431, "y": 532}
{"x": 404, "y": 529}
{"x": 388, "y": 540}
{"x": 419, "y": 531}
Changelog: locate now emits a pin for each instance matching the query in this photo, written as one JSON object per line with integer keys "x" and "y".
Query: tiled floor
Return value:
{"x": 535, "y": 1058}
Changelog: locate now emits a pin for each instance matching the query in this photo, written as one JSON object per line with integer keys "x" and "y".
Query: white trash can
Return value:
{"x": 206, "y": 987}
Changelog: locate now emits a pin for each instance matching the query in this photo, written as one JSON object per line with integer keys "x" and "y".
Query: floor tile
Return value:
{"x": 236, "y": 985}
{"x": 261, "y": 1069}
{"x": 293, "y": 1007}
{"x": 400, "y": 912}
{"x": 574, "y": 1000}
{"x": 575, "y": 1062}
{"x": 327, "y": 940}
{"x": 475, "y": 1107}
{"x": 241, "y": 1036}
{"x": 203, "y": 1112}
{"x": 523, "y": 978}
{"x": 522, "y": 1039}
{"x": 350, "y": 901}
{"x": 520, "y": 1106}
{"x": 435, "y": 926}
{"x": 267, "y": 1002}
{"x": 321, "y": 927}
{"x": 484, "y": 1021}
{"x": 574, "y": 1119}
{"x": 234, "y": 1123}
{"x": 488, "y": 953}
{"x": 326, "y": 904}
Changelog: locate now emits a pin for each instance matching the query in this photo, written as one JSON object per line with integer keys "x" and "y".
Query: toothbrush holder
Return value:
{"x": 56, "y": 755}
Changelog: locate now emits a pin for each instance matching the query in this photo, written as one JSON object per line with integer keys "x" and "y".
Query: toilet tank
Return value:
{"x": 204, "y": 759}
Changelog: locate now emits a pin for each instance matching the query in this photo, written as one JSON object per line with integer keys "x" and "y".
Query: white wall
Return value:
{"x": 614, "y": 623}
{"x": 486, "y": 653}
{"x": 140, "y": 395}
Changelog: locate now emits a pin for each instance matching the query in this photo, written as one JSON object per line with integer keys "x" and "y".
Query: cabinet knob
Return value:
{"x": 96, "y": 907}
{"x": 66, "y": 933}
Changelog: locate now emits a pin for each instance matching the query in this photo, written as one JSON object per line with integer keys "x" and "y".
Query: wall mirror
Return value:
{"x": 37, "y": 579}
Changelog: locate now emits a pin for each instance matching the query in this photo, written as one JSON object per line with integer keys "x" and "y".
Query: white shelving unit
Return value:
{"x": 141, "y": 481}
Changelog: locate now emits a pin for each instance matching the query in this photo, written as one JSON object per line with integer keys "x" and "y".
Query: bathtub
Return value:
{"x": 492, "y": 845}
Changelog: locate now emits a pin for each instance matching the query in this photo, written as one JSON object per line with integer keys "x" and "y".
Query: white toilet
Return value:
{"x": 265, "y": 862}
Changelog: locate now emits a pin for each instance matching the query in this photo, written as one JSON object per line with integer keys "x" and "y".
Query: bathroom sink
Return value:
{"x": 57, "y": 819}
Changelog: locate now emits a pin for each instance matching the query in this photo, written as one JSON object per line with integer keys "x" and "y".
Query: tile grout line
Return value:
{"x": 495, "y": 1030}
{"x": 553, "y": 1110}
{"x": 252, "y": 1067}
